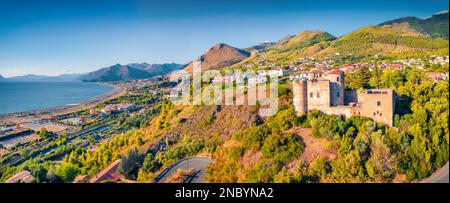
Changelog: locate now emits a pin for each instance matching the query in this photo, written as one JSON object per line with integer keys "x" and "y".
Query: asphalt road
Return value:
{"x": 440, "y": 176}
{"x": 197, "y": 163}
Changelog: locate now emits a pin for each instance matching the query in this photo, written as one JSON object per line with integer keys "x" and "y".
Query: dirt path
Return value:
{"x": 314, "y": 147}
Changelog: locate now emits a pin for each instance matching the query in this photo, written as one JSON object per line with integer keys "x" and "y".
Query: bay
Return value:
{"x": 26, "y": 96}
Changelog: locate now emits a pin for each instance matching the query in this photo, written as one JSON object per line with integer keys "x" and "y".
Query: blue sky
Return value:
{"x": 57, "y": 37}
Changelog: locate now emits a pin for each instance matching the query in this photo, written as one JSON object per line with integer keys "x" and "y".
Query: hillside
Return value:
{"x": 291, "y": 47}
{"x": 260, "y": 47}
{"x": 219, "y": 56}
{"x": 133, "y": 71}
{"x": 116, "y": 73}
{"x": 157, "y": 69}
{"x": 400, "y": 38}
{"x": 386, "y": 41}
{"x": 435, "y": 26}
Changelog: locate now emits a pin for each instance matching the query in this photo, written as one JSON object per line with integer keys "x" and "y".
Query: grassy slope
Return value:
{"x": 387, "y": 41}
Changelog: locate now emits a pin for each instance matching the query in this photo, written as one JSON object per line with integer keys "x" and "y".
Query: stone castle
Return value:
{"x": 327, "y": 94}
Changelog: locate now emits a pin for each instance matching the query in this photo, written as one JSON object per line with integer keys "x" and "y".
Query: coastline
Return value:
{"x": 47, "y": 113}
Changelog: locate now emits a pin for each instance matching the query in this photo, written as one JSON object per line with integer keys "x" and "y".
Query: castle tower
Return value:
{"x": 300, "y": 97}
{"x": 336, "y": 78}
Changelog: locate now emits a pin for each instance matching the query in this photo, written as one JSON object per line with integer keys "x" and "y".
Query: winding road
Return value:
{"x": 440, "y": 176}
{"x": 199, "y": 164}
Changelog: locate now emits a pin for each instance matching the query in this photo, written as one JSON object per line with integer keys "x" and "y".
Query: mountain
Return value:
{"x": 435, "y": 26}
{"x": 303, "y": 40}
{"x": 260, "y": 47}
{"x": 219, "y": 56}
{"x": 386, "y": 41}
{"x": 44, "y": 78}
{"x": 134, "y": 71}
{"x": 293, "y": 46}
{"x": 2, "y": 78}
{"x": 284, "y": 40}
{"x": 404, "y": 37}
{"x": 157, "y": 69}
{"x": 116, "y": 72}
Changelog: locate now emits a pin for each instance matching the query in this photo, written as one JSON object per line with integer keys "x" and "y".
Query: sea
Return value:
{"x": 27, "y": 96}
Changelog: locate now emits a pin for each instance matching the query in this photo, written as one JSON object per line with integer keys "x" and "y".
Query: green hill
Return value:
{"x": 292, "y": 47}
{"x": 387, "y": 41}
{"x": 435, "y": 26}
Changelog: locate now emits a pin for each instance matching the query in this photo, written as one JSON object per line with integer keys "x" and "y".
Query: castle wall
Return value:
{"x": 318, "y": 94}
{"x": 378, "y": 104}
{"x": 337, "y": 88}
{"x": 344, "y": 111}
{"x": 300, "y": 100}
{"x": 350, "y": 96}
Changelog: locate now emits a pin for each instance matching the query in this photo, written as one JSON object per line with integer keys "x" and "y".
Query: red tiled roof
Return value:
{"x": 24, "y": 176}
{"x": 107, "y": 173}
{"x": 81, "y": 179}
{"x": 335, "y": 71}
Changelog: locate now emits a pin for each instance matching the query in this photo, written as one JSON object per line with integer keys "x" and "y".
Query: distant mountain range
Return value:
{"x": 118, "y": 72}
{"x": 134, "y": 71}
{"x": 42, "y": 78}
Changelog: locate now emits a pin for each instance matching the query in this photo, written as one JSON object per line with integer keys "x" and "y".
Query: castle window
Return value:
{"x": 337, "y": 79}
{"x": 378, "y": 103}
{"x": 337, "y": 94}
{"x": 311, "y": 94}
{"x": 318, "y": 95}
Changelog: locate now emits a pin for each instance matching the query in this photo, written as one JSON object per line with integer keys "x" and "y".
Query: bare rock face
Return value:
{"x": 219, "y": 56}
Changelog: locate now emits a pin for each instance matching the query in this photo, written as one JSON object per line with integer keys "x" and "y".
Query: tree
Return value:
{"x": 381, "y": 164}
{"x": 282, "y": 148}
{"x": 129, "y": 162}
{"x": 348, "y": 168}
{"x": 359, "y": 80}
{"x": 284, "y": 177}
{"x": 44, "y": 133}
{"x": 67, "y": 172}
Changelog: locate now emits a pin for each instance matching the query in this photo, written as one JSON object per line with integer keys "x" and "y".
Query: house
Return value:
{"x": 125, "y": 107}
{"x": 22, "y": 177}
{"x": 437, "y": 76}
{"x": 304, "y": 75}
{"x": 257, "y": 80}
{"x": 74, "y": 121}
{"x": 109, "y": 173}
{"x": 117, "y": 108}
{"x": 81, "y": 179}
{"x": 94, "y": 112}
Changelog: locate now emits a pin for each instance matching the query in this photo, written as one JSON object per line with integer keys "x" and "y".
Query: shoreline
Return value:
{"x": 47, "y": 113}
